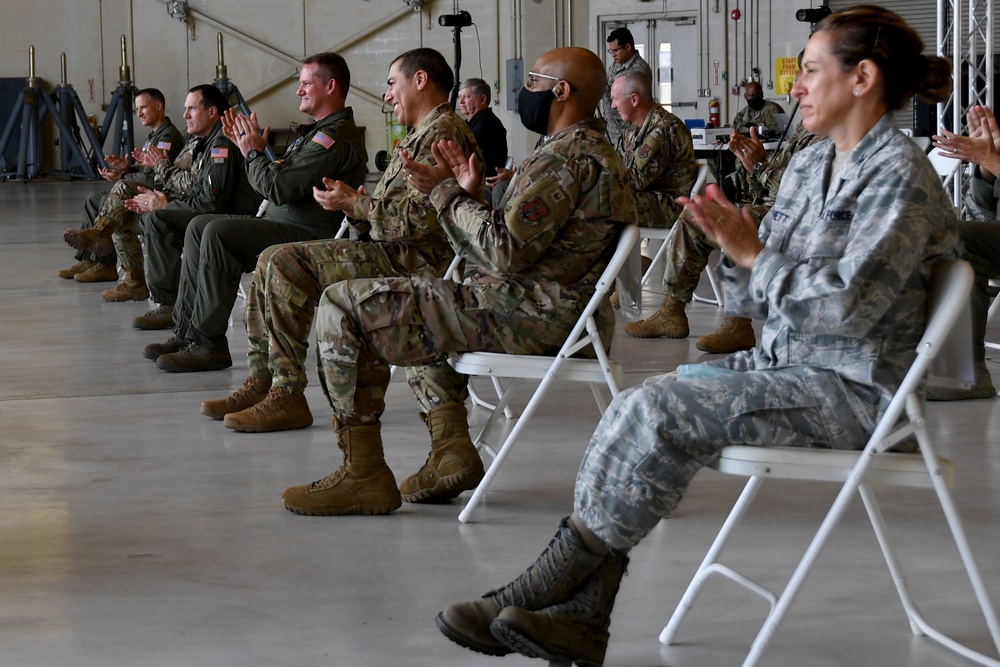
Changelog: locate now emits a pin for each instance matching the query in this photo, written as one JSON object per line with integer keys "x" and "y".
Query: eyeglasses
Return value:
{"x": 538, "y": 75}
{"x": 615, "y": 51}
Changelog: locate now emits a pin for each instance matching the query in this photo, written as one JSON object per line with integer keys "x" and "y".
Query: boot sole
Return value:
{"x": 356, "y": 510}
{"x": 266, "y": 428}
{"x": 517, "y": 640}
{"x": 447, "y": 488}
{"x": 656, "y": 335}
{"x": 77, "y": 242}
{"x": 724, "y": 350}
{"x": 216, "y": 366}
{"x": 465, "y": 642}
{"x": 120, "y": 299}
{"x": 153, "y": 356}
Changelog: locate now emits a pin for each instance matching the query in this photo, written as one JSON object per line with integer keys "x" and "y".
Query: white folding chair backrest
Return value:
{"x": 857, "y": 470}
{"x": 994, "y": 307}
{"x": 660, "y": 234}
{"x": 944, "y": 166}
{"x": 518, "y": 367}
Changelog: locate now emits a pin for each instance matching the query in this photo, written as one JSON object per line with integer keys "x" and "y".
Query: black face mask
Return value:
{"x": 533, "y": 107}
{"x": 756, "y": 102}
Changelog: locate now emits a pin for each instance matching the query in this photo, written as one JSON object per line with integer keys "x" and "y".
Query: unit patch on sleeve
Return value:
{"x": 533, "y": 210}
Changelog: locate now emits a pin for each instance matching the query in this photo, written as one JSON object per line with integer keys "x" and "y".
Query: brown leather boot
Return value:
{"x": 97, "y": 239}
{"x": 279, "y": 410}
{"x": 669, "y": 321}
{"x": 97, "y": 273}
{"x": 574, "y": 630}
{"x": 363, "y": 484}
{"x": 562, "y": 567}
{"x": 452, "y": 466}
{"x": 133, "y": 288}
{"x": 79, "y": 267}
{"x": 250, "y": 394}
{"x": 733, "y": 335}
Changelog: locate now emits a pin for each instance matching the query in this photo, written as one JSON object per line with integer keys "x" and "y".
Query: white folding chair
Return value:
{"x": 661, "y": 234}
{"x": 519, "y": 367}
{"x": 858, "y": 471}
{"x": 994, "y": 307}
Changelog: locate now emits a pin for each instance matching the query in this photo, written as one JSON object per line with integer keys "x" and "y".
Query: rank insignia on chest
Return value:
{"x": 533, "y": 210}
{"x": 323, "y": 140}
{"x": 644, "y": 150}
{"x": 220, "y": 154}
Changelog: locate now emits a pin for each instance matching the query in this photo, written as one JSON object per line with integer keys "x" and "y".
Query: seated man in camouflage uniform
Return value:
{"x": 688, "y": 249}
{"x": 102, "y": 266}
{"x": 758, "y": 111}
{"x": 656, "y": 148}
{"x": 219, "y": 247}
{"x": 402, "y": 235}
{"x": 532, "y": 267}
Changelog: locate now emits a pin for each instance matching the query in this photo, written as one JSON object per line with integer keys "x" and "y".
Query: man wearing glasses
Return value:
{"x": 624, "y": 57}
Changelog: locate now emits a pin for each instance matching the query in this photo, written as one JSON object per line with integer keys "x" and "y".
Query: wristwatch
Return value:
{"x": 758, "y": 167}
{"x": 253, "y": 155}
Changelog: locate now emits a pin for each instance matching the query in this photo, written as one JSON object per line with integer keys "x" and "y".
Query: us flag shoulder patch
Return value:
{"x": 220, "y": 154}
{"x": 163, "y": 145}
{"x": 323, "y": 140}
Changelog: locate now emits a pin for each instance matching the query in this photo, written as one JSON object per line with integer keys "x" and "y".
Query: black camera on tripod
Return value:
{"x": 812, "y": 14}
{"x": 463, "y": 19}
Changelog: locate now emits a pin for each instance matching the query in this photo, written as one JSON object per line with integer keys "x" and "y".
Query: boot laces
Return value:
{"x": 539, "y": 576}
{"x": 329, "y": 481}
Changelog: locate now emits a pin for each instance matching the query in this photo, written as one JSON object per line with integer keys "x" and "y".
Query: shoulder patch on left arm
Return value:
{"x": 220, "y": 154}
{"x": 324, "y": 140}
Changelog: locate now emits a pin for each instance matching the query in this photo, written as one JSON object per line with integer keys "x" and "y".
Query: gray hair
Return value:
{"x": 638, "y": 83}
{"x": 477, "y": 87}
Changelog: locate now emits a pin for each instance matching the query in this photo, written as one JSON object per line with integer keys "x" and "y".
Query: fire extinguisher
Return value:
{"x": 713, "y": 112}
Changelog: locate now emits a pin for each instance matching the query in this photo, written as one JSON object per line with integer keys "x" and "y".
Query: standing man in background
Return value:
{"x": 491, "y": 135}
{"x": 621, "y": 46}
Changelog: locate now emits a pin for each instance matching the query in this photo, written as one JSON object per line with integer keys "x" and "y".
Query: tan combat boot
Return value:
{"x": 452, "y": 466}
{"x": 97, "y": 273}
{"x": 556, "y": 573}
{"x": 79, "y": 267}
{"x": 133, "y": 288}
{"x": 669, "y": 321}
{"x": 280, "y": 410}
{"x": 574, "y": 630}
{"x": 363, "y": 484}
{"x": 250, "y": 394}
{"x": 733, "y": 335}
{"x": 97, "y": 239}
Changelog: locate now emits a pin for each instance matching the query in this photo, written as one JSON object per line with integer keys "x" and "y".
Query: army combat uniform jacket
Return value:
{"x": 659, "y": 157}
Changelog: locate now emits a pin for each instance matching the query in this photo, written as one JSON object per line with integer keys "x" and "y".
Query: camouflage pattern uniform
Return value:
{"x": 747, "y": 117}
{"x": 659, "y": 157}
{"x": 168, "y": 139}
{"x": 215, "y": 182}
{"x": 406, "y": 239}
{"x": 531, "y": 268}
{"x": 980, "y": 245}
{"x": 841, "y": 282}
{"x": 687, "y": 248}
{"x": 615, "y": 124}
{"x": 220, "y": 248}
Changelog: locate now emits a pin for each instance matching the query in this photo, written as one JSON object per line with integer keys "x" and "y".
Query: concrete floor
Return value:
{"x": 137, "y": 532}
